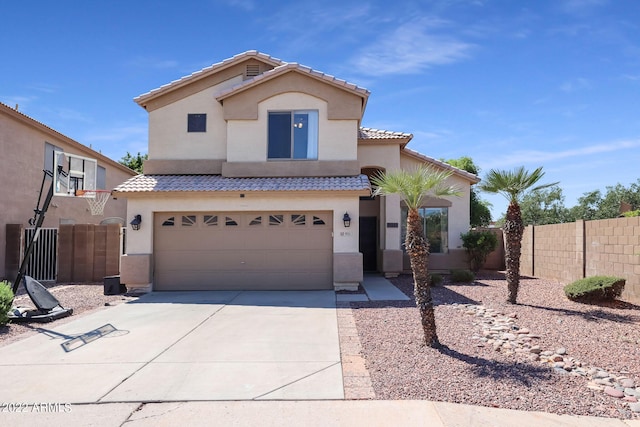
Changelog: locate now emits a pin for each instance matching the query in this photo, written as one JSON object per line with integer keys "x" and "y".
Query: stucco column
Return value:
{"x": 392, "y": 223}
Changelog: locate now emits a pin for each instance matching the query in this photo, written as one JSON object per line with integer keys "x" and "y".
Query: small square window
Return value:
{"x": 196, "y": 122}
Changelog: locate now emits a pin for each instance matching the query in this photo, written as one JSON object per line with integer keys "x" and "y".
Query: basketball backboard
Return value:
{"x": 72, "y": 173}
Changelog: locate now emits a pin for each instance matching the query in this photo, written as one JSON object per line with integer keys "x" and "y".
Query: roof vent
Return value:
{"x": 252, "y": 70}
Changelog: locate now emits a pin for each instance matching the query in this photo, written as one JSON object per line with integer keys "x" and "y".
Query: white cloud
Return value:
{"x": 410, "y": 49}
{"x": 119, "y": 133}
{"x": 576, "y": 85}
{"x": 581, "y": 6}
{"x": 541, "y": 157}
{"x": 147, "y": 62}
{"x": 71, "y": 114}
{"x": 247, "y": 5}
{"x": 21, "y": 101}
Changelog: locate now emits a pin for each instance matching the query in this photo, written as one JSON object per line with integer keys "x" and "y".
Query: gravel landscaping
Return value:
{"x": 545, "y": 353}
{"x": 503, "y": 355}
{"x": 82, "y": 298}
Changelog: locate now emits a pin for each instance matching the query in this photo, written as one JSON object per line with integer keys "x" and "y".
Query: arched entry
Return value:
{"x": 369, "y": 223}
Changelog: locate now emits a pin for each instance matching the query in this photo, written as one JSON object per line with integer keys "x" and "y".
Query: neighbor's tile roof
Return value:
{"x": 293, "y": 66}
{"x": 192, "y": 183}
{"x": 369, "y": 133}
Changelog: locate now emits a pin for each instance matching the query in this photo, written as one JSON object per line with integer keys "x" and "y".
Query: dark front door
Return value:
{"x": 369, "y": 242}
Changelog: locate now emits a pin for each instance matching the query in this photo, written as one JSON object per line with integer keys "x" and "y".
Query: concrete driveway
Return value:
{"x": 178, "y": 346}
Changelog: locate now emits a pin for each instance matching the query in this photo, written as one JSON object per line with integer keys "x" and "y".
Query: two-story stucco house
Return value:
{"x": 257, "y": 178}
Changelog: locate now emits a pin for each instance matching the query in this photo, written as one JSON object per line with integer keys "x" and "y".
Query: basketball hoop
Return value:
{"x": 97, "y": 199}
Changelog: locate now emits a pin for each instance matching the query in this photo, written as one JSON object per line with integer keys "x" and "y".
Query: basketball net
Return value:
{"x": 97, "y": 199}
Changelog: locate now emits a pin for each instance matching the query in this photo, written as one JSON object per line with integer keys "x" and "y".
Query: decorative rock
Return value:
{"x": 534, "y": 357}
{"x": 558, "y": 365}
{"x": 557, "y": 358}
{"x": 635, "y": 407}
{"x": 613, "y": 392}
{"x": 595, "y": 387}
{"x": 523, "y": 331}
{"x": 631, "y": 399}
{"x": 561, "y": 351}
{"x": 601, "y": 374}
{"x": 627, "y": 383}
{"x": 603, "y": 381}
{"x": 535, "y": 349}
{"x": 509, "y": 337}
{"x": 547, "y": 353}
{"x": 628, "y": 391}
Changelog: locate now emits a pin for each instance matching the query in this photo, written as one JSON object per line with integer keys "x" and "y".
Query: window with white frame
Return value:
{"x": 293, "y": 135}
{"x": 435, "y": 225}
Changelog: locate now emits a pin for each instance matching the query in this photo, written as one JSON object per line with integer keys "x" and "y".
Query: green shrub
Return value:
{"x": 595, "y": 288}
{"x": 435, "y": 279}
{"x": 631, "y": 213}
{"x": 6, "y": 299}
{"x": 462, "y": 276}
{"x": 478, "y": 245}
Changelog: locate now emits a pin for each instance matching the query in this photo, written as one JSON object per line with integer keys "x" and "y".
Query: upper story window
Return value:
{"x": 293, "y": 134}
{"x": 197, "y": 122}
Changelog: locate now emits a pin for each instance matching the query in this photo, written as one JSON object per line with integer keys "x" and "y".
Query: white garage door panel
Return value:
{"x": 232, "y": 250}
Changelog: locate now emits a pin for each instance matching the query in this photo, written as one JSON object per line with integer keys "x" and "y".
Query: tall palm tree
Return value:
{"x": 513, "y": 185}
{"x": 413, "y": 187}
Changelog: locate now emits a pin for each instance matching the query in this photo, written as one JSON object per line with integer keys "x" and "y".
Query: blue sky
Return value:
{"x": 508, "y": 83}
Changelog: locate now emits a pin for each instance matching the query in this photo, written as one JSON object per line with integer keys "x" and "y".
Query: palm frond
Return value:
{"x": 414, "y": 185}
{"x": 512, "y": 184}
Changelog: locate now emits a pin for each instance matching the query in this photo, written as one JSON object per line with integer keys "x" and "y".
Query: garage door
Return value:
{"x": 241, "y": 250}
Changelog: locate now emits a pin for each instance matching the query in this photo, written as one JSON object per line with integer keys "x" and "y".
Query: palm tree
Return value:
{"x": 413, "y": 187}
{"x": 513, "y": 185}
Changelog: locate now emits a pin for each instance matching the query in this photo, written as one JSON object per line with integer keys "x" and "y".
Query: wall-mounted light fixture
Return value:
{"x": 346, "y": 219}
{"x": 135, "y": 222}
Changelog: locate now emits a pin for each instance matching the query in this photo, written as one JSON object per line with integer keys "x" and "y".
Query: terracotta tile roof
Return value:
{"x": 293, "y": 66}
{"x": 209, "y": 70}
{"x": 214, "y": 183}
{"x": 369, "y": 133}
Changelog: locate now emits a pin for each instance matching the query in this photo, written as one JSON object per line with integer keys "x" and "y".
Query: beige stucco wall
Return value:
{"x": 168, "y": 136}
{"x": 248, "y": 138}
{"x": 345, "y": 239}
{"x": 460, "y": 206}
{"x": 23, "y": 148}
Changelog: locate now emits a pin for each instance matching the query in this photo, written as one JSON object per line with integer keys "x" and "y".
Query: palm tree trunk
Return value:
{"x": 513, "y": 230}
{"x": 418, "y": 250}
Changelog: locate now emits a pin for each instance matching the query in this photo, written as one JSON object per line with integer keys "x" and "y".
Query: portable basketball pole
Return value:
{"x": 36, "y": 221}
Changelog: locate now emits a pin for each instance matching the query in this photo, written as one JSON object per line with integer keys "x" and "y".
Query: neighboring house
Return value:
{"x": 254, "y": 163}
{"x": 27, "y": 148}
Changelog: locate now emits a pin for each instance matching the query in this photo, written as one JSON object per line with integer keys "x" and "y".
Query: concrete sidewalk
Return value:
{"x": 380, "y": 289}
{"x": 327, "y": 413}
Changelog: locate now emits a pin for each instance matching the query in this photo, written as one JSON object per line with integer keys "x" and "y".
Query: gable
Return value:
{"x": 245, "y": 68}
{"x": 243, "y": 105}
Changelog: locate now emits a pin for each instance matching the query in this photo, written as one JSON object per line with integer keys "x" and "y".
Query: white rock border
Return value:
{"x": 501, "y": 332}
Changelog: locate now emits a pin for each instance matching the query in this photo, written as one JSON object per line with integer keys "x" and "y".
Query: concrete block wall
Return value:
{"x": 613, "y": 248}
{"x": 571, "y": 251}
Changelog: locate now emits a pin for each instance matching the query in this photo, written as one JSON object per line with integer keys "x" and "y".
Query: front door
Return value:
{"x": 369, "y": 242}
